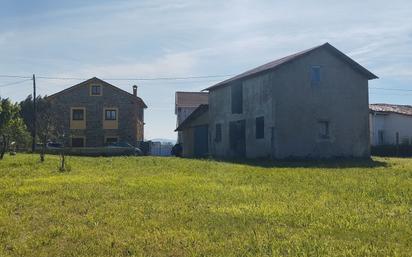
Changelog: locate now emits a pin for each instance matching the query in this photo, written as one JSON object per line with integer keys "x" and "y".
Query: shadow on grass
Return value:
{"x": 309, "y": 163}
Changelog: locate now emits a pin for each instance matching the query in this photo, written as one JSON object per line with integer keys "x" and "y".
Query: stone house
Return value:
{"x": 95, "y": 113}
{"x": 312, "y": 104}
{"x": 185, "y": 104}
{"x": 390, "y": 124}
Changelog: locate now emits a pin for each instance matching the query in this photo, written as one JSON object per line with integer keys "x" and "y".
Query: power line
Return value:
{"x": 383, "y": 95}
{"x": 141, "y": 79}
{"x": 178, "y": 78}
{"x": 120, "y": 79}
{"x": 153, "y": 79}
{"x": 15, "y": 76}
{"x": 391, "y": 89}
{"x": 15, "y": 83}
{"x": 60, "y": 78}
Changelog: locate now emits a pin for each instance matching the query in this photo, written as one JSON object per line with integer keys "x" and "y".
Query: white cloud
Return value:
{"x": 178, "y": 64}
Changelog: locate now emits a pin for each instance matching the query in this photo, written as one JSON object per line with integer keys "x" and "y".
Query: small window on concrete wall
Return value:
{"x": 237, "y": 98}
{"x": 260, "y": 127}
{"x": 218, "y": 133}
{"x": 315, "y": 76}
{"x": 324, "y": 129}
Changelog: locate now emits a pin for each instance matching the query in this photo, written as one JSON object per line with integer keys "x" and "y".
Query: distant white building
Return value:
{"x": 185, "y": 104}
{"x": 390, "y": 124}
{"x": 160, "y": 148}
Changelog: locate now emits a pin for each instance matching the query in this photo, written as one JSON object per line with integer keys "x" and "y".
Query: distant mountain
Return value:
{"x": 163, "y": 140}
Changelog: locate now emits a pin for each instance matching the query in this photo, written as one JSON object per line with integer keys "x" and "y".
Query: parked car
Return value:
{"x": 52, "y": 145}
{"x": 123, "y": 148}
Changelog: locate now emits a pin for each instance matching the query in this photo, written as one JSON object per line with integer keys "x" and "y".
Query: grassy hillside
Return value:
{"x": 144, "y": 206}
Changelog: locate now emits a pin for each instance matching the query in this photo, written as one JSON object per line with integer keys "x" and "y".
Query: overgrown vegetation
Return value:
{"x": 128, "y": 206}
{"x": 49, "y": 123}
{"x": 13, "y": 131}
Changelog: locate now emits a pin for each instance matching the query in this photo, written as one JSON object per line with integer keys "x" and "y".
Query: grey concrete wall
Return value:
{"x": 188, "y": 142}
{"x": 130, "y": 112}
{"x": 391, "y": 123}
{"x": 257, "y": 101}
{"x": 292, "y": 108}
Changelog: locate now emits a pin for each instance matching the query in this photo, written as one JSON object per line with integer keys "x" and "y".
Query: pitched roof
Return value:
{"x": 391, "y": 108}
{"x": 196, "y": 113}
{"x": 191, "y": 99}
{"x": 95, "y": 79}
{"x": 277, "y": 63}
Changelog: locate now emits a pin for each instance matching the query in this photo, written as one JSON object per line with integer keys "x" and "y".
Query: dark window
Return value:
{"x": 110, "y": 115}
{"x": 380, "y": 137}
{"x": 77, "y": 142}
{"x": 201, "y": 141}
{"x": 111, "y": 140}
{"x": 260, "y": 127}
{"x": 218, "y": 135}
{"x": 96, "y": 90}
{"x": 78, "y": 114}
{"x": 237, "y": 138}
{"x": 397, "y": 138}
{"x": 324, "y": 129}
{"x": 315, "y": 76}
{"x": 237, "y": 98}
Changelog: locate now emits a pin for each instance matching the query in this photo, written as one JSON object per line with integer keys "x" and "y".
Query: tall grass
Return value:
{"x": 147, "y": 206}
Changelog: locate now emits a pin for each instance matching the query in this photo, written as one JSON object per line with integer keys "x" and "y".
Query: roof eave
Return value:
{"x": 199, "y": 111}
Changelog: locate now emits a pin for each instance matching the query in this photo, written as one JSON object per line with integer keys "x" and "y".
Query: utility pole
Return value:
{"x": 33, "y": 147}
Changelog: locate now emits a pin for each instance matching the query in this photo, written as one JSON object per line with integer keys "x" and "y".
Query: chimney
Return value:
{"x": 134, "y": 90}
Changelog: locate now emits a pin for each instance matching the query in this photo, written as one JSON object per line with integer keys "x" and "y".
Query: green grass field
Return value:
{"x": 146, "y": 206}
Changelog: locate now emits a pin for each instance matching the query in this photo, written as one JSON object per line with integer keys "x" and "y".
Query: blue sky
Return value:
{"x": 145, "y": 39}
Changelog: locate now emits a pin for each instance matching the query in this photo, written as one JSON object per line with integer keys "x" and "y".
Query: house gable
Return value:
{"x": 274, "y": 65}
{"x": 86, "y": 87}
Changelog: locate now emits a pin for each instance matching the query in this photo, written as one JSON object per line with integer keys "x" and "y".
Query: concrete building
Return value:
{"x": 95, "y": 113}
{"x": 313, "y": 104}
{"x": 390, "y": 124}
{"x": 185, "y": 104}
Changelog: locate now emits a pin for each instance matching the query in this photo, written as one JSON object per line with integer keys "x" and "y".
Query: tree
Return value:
{"x": 27, "y": 112}
{"x": 54, "y": 127}
{"x": 12, "y": 127}
{"x": 49, "y": 123}
{"x": 43, "y": 121}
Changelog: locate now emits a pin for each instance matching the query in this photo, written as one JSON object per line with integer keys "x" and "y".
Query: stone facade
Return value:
{"x": 128, "y": 126}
